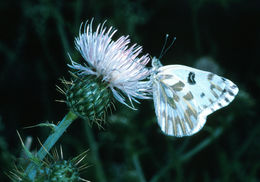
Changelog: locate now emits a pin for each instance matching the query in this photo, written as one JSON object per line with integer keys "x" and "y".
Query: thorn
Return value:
{"x": 20, "y": 138}
{"x": 47, "y": 124}
{"x": 28, "y": 153}
{"x": 61, "y": 101}
{"x": 61, "y": 152}
{"x": 84, "y": 167}
{"x": 81, "y": 159}
{"x": 44, "y": 148}
{"x": 82, "y": 179}
{"x": 60, "y": 90}
{"x": 74, "y": 75}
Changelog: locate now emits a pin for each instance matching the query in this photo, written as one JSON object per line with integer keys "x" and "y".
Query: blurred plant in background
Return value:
{"x": 36, "y": 37}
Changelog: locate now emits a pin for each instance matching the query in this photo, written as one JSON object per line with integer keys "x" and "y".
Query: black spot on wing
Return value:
{"x": 191, "y": 78}
{"x": 233, "y": 86}
{"x": 227, "y": 100}
{"x": 231, "y": 93}
{"x": 223, "y": 92}
{"x": 210, "y": 76}
{"x": 202, "y": 95}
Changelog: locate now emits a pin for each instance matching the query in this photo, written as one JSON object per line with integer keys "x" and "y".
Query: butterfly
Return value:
{"x": 184, "y": 97}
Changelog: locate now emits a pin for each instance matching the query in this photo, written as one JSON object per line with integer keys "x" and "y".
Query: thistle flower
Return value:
{"x": 111, "y": 64}
{"x": 114, "y": 61}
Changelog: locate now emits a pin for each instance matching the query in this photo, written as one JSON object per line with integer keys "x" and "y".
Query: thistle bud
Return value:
{"x": 54, "y": 169}
{"x": 63, "y": 171}
{"x": 89, "y": 97}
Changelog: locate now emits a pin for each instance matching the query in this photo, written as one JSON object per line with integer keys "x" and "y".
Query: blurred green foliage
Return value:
{"x": 36, "y": 37}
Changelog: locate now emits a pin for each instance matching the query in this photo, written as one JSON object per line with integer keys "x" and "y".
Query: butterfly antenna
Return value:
{"x": 163, "y": 52}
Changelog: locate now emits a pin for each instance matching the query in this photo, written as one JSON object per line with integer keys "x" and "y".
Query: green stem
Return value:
{"x": 138, "y": 168}
{"x": 51, "y": 140}
{"x": 185, "y": 157}
{"x": 94, "y": 151}
{"x": 202, "y": 145}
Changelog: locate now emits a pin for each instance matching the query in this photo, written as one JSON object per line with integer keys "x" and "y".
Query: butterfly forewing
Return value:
{"x": 184, "y": 96}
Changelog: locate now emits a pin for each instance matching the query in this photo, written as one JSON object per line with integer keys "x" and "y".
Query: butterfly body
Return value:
{"x": 184, "y": 97}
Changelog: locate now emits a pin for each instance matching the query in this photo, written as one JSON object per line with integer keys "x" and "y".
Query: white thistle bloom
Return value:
{"x": 114, "y": 61}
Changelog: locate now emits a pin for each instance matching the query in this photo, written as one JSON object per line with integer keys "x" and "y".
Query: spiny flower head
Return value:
{"x": 114, "y": 62}
{"x": 53, "y": 169}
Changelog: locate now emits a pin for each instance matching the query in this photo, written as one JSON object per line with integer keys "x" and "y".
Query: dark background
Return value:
{"x": 222, "y": 36}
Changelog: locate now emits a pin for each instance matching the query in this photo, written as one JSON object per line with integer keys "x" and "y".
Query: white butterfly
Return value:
{"x": 184, "y": 97}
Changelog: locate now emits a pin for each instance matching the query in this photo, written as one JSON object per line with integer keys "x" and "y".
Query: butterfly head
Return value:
{"x": 156, "y": 63}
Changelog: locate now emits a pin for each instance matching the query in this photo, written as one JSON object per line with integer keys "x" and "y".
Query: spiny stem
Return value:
{"x": 51, "y": 140}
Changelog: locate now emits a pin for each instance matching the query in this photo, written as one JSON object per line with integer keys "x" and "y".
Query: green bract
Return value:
{"x": 88, "y": 97}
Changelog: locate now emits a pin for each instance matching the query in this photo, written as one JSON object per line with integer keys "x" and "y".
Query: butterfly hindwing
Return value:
{"x": 184, "y": 96}
{"x": 176, "y": 116}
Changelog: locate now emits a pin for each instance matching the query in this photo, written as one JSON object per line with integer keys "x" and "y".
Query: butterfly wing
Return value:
{"x": 185, "y": 96}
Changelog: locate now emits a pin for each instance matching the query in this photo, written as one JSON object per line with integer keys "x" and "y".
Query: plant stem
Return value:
{"x": 138, "y": 168}
{"x": 100, "y": 174}
{"x": 51, "y": 140}
{"x": 202, "y": 145}
{"x": 187, "y": 156}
